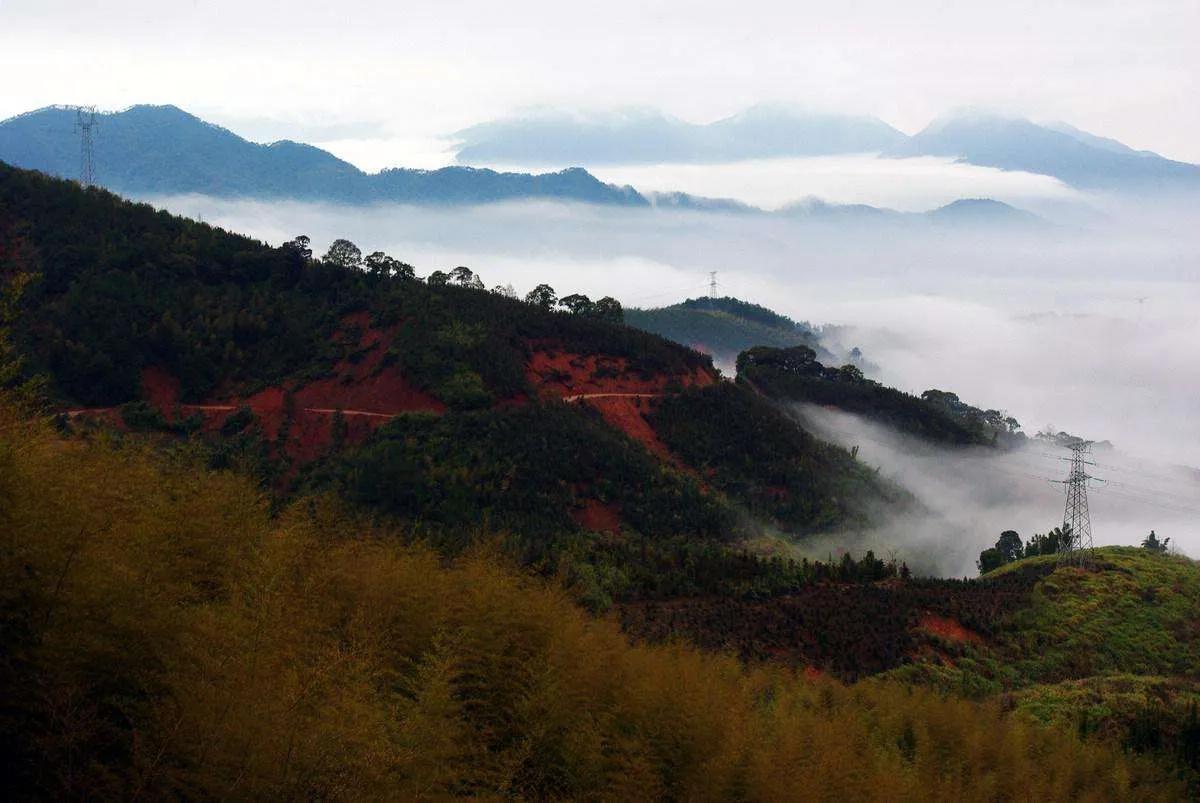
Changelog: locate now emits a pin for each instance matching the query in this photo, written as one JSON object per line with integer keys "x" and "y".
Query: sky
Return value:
{"x": 378, "y": 81}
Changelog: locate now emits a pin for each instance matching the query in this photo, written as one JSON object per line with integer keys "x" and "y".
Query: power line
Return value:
{"x": 85, "y": 121}
{"x": 1077, "y": 520}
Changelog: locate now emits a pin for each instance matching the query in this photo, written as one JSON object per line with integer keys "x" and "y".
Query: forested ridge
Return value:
{"x": 794, "y": 374}
{"x": 123, "y": 286}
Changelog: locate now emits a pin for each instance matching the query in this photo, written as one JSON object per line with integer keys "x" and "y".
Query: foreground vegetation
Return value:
{"x": 167, "y": 637}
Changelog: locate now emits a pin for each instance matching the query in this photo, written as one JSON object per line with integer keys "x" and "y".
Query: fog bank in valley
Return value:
{"x": 966, "y": 497}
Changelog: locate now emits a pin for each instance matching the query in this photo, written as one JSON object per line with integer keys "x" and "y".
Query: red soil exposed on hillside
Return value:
{"x": 557, "y": 373}
{"x": 627, "y": 413}
{"x": 368, "y": 392}
{"x": 361, "y": 388}
{"x": 947, "y": 629}
{"x": 586, "y": 379}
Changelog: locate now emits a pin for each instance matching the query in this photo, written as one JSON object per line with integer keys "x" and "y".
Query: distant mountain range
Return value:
{"x": 162, "y": 150}
{"x": 1075, "y": 157}
{"x": 648, "y": 136}
{"x": 963, "y": 212}
{"x": 148, "y": 151}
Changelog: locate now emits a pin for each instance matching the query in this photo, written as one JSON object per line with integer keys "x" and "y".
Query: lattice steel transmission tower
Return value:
{"x": 85, "y": 121}
{"x": 1075, "y": 515}
{"x": 712, "y": 284}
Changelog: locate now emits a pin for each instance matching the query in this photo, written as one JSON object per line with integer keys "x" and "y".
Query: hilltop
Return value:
{"x": 724, "y": 327}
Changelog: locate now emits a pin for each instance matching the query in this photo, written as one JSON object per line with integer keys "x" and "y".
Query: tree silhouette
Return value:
{"x": 343, "y": 253}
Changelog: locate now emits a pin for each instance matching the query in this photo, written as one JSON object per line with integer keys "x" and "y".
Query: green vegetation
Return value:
{"x": 1135, "y": 613}
{"x": 793, "y": 374}
{"x": 1010, "y": 548}
{"x": 1111, "y": 650}
{"x": 1143, "y": 714}
{"x": 519, "y": 469}
{"x": 723, "y": 327}
{"x": 165, "y": 637}
{"x": 754, "y": 453}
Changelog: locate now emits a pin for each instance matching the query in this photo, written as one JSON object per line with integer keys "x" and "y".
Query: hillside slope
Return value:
{"x": 1110, "y": 652}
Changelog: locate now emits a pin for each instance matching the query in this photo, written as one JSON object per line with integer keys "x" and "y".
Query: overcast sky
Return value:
{"x": 397, "y": 74}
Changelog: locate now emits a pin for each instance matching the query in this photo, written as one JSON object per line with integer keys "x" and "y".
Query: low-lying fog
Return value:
{"x": 1090, "y": 329}
{"x": 969, "y": 496}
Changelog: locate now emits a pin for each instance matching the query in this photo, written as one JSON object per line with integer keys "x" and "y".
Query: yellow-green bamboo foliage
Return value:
{"x": 166, "y": 637}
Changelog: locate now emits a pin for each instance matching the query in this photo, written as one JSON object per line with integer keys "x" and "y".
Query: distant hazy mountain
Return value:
{"x": 972, "y": 211}
{"x": 965, "y": 212}
{"x": 648, "y": 136}
{"x": 1073, "y": 156}
{"x": 158, "y": 150}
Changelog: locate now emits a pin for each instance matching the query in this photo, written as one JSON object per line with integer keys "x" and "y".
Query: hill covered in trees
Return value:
{"x": 724, "y": 327}
{"x": 163, "y": 150}
{"x": 794, "y": 375}
{"x": 433, "y": 402}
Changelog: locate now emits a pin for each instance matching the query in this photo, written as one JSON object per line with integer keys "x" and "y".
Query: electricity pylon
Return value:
{"x": 85, "y": 121}
{"x": 1076, "y": 519}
